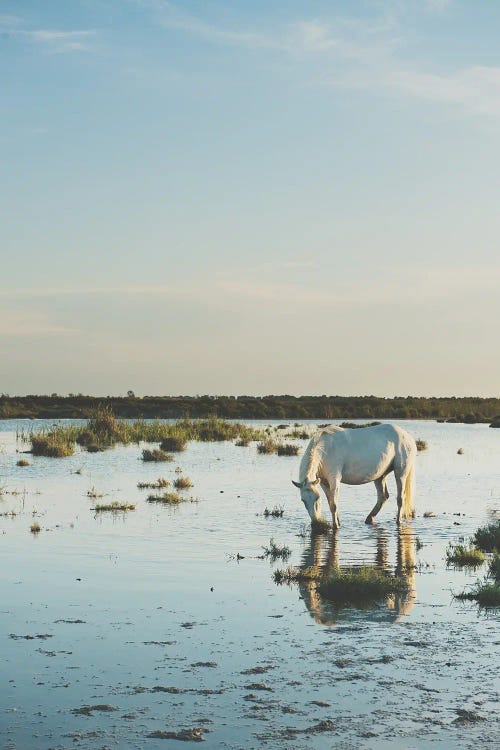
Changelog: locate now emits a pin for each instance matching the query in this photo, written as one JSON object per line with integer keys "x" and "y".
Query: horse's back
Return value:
{"x": 365, "y": 454}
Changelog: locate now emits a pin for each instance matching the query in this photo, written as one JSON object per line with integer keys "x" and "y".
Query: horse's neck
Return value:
{"x": 312, "y": 463}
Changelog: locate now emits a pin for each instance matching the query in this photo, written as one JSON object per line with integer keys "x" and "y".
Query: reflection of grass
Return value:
{"x": 168, "y": 498}
{"x": 494, "y": 568}
{"x": 297, "y": 575}
{"x": 487, "y": 538}
{"x": 113, "y": 507}
{"x": 461, "y": 555}
{"x": 156, "y": 455}
{"x": 361, "y": 585}
{"x": 275, "y": 552}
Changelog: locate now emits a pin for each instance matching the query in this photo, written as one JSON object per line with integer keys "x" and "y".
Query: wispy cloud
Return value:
{"x": 14, "y": 324}
{"x": 61, "y": 40}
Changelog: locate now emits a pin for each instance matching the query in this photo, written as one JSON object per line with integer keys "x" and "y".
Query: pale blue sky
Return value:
{"x": 250, "y": 197}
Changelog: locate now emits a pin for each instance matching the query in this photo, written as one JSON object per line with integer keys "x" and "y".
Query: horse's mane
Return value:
{"x": 315, "y": 451}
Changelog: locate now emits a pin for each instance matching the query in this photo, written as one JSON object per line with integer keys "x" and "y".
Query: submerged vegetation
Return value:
{"x": 276, "y": 512}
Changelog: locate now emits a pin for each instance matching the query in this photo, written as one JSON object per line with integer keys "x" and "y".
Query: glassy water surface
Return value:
{"x": 170, "y": 620}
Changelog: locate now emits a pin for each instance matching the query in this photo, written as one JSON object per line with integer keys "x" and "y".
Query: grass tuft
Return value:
{"x": 174, "y": 444}
{"x": 487, "y": 538}
{"x": 168, "y": 498}
{"x": 421, "y": 445}
{"x": 267, "y": 446}
{"x": 23, "y": 462}
{"x": 35, "y": 528}
{"x": 53, "y": 444}
{"x": 287, "y": 449}
{"x": 276, "y": 512}
{"x": 355, "y": 426}
{"x": 159, "y": 484}
{"x": 297, "y": 575}
{"x": 156, "y": 455}
{"x": 275, "y": 552}
{"x": 461, "y": 555}
{"x": 183, "y": 483}
{"x": 114, "y": 507}
{"x": 361, "y": 585}
{"x": 486, "y": 594}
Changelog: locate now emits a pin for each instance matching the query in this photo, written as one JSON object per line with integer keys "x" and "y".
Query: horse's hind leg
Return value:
{"x": 401, "y": 489}
{"x": 382, "y": 497}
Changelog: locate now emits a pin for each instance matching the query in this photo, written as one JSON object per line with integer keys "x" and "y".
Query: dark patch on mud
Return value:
{"x": 40, "y": 636}
{"x": 175, "y": 690}
{"x": 416, "y": 644}
{"x": 258, "y": 670}
{"x": 72, "y": 622}
{"x": 195, "y": 734}
{"x": 322, "y": 704}
{"x": 467, "y": 717}
{"x": 209, "y": 664}
{"x": 89, "y": 710}
{"x": 159, "y": 643}
{"x": 289, "y": 733}
{"x": 258, "y": 686}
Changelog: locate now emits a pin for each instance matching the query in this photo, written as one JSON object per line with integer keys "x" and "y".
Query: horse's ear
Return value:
{"x": 297, "y": 484}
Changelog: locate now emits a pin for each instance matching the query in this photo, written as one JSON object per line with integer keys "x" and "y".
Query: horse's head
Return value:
{"x": 310, "y": 496}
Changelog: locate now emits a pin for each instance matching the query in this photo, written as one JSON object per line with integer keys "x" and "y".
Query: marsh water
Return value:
{"x": 168, "y": 619}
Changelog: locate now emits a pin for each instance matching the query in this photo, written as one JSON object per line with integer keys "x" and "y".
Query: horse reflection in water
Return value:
{"x": 323, "y": 553}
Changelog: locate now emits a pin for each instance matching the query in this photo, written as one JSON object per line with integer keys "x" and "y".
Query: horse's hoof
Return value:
{"x": 369, "y": 520}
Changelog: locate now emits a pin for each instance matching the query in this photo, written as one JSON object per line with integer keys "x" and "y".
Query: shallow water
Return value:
{"x": 134, "y": 606}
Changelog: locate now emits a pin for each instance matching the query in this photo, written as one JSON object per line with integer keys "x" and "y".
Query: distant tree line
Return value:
{"x": 469, "y": 410}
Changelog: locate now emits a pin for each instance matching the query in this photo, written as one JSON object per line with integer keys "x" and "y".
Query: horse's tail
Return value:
{"x": 408, "y": 494}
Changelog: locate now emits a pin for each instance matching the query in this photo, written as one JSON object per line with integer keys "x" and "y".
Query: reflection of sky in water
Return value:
{"x": 145, "y": 575}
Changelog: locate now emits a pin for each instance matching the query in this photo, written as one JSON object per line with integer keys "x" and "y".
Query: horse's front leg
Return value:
{"x": 331, "y": 489}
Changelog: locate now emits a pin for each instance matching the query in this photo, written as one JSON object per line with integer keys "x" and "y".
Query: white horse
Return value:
{"x": 356, "y": 456}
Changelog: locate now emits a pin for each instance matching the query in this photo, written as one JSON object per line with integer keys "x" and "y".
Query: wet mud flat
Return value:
{"x": 164, "y": 627}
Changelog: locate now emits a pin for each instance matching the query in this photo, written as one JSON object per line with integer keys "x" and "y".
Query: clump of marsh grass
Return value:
{"x": 355, "y": 426}
{"x": 53, "y": 444}
{"x": 276, "y": 512}
{"x": 174, "y": 444}
{"x": 23, "y": 462}
{"x": 361, "y": 586}
{"x": 267, "y": 446}
{"x": 298, "y": 434}
{"x": 113, "y": 507}
{"x": 168, "y": 498}
{"x": 462, "y": 555}
{"x": 158, "y": 484}
{"x": 183, "y": 483}
{"x": 156, "y": 455}
{"x": 320, "y": 526}
{"x": 275, "y": 552}
{"x": 297, "y": 575}
{"x": 287, "y": 449}
{"x": 494, "y": 568}
{"x": 243, "y": 442}
{"x": 35, "y": 528}
{"x": 487, "y": 538}
{"x": 421, "y": 444}
{"x": 486, "y": 594}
